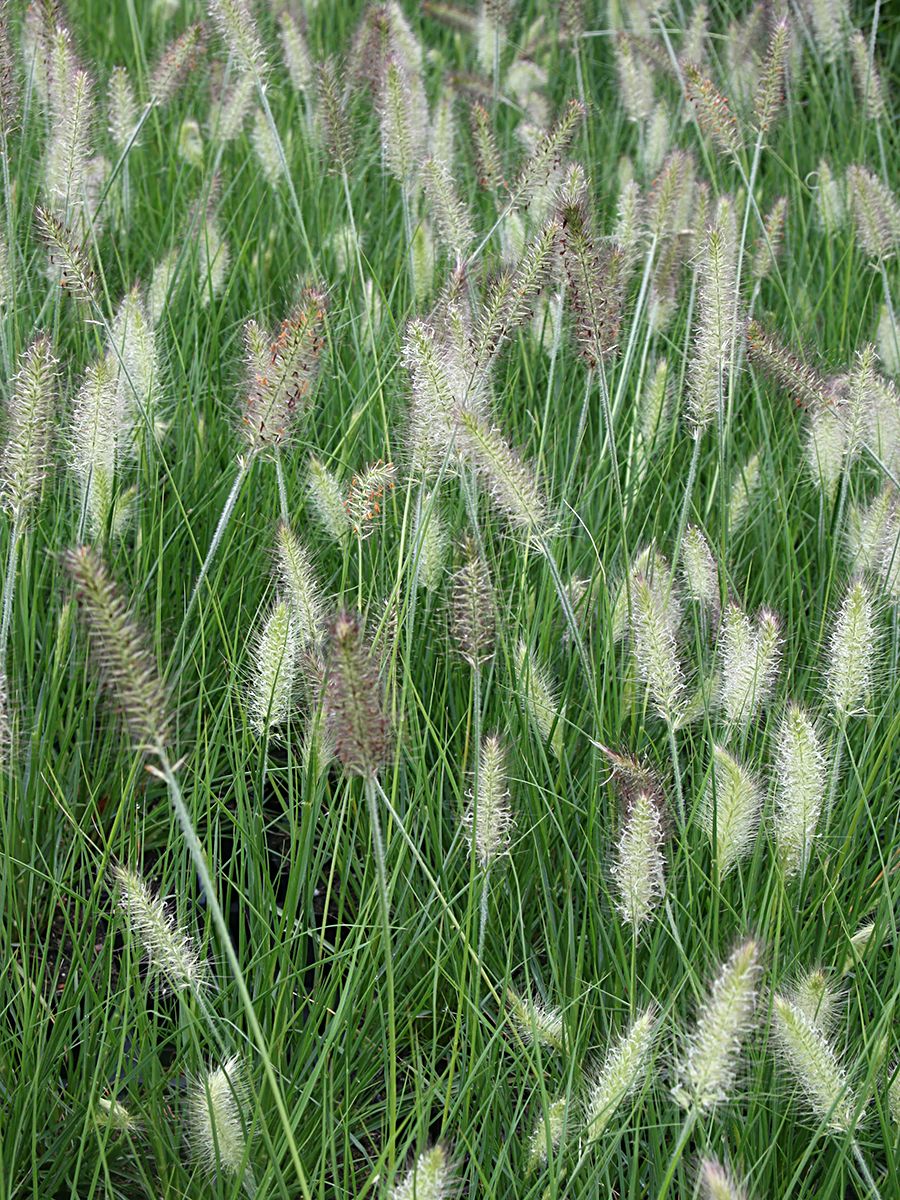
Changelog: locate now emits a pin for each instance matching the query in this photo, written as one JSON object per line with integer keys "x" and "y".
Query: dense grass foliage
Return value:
{"x": 450, "y": 611}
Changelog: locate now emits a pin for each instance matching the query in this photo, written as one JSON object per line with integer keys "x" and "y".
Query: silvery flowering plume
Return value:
{"x": 25, "y": 459}
{"x": 213, "y": 257}
{"x": 296, "y": 577}
{"x": 654, "y": 627}
{"x": 803, "y": 1049}
{"x": 9, "y": 88}
{"x": 638, "y": 868}
{"x": 508, "y": 480}
{"x": 488, "y": 819}
{"x": 237, "y": 27}
{"x": 94, "y": 450}
{"x": 830, "y": 198}
{"x": 472, "y": 620}
{"x": 769, "y": 244}
{"x": 717, "y": 1182}
{"x": 716, "y": 326}
{"x": 281, "y": 372}
{"x": 433, "y": 541}
{"x": 539, "y": 698}
{"x": 403, "y": 114}
{"x": 265, "y": 147}
{"x": 816, "y": 998}
{"x": 217, "y": 1126}
{"x": 175, "y": 65}
{"x": 750, "y": 658}
{"x": 535, "y": 1021}
{"x": 635, "y": 81}
{"x": 700, "y": 571}
{"x": 451, "y": 216}
{"x": 545, "y": 156}
{"x": 730, "y": 809}
{"x": 876, "y": 212}
{"x": 668, "y": 209}
{"x": 851, "y": 653}
{"x": 121, "y": 655}
{"x": 622, "y": 1072}
{"x": 69, "y": 152}
{"x": 655, "y": 412}
{"x": 808, "y": 387}
{"x": 327, "y": 499}
{"x": 866, "y": 78}
{"x": 711, "y": 1056}
{"x": 137, "y": 368}
{"x": 332, "y": 116}
{"x": 271, "y": 687}
{"x": 121, "y": 108}
{"x": 68, "y": 261}
{"x": 830, "y": 25}
{"x": 800, "y": 787}
{"x": 769, "y": 98}
{"x": 596, "y": 276}
{"x": 548, "y": 1131}
{"x": 744, "y": 484}
{"x": 429, "y": 1178}
{"x": 712, "y": 110}
{"x": 888, "y": 342}
{"x": 356, "y": 719}
{"x": 169, "y": 950}
{"x": 295, "y": 52}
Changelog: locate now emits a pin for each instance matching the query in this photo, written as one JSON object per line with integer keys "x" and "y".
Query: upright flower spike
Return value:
{"x": 295, "y": 51}
{"x": 816, "y": 998}
{"x": 365, "y": 498}
{"x": 217, "y": 1128}
{"x": 169, "y": 950}
{"x": 866, "y": 78}
{"x": 830, "y": 22}
{"x": 743, "y": 487}
{"x": 546, "y": 155}
{"x": 137, "y": 369}
{"x": 355, "y": 716}
{"x": 718, "y": 1183}
{"x": 811, "y": 1060}
{"x": 547, "y": 713}
{"x": 93, "y": 450}
{"x": 472, "y": 624}
{"x": 714, "y": 114}
{"x": 507, "y": 479}
{"x": 121, "y": 105}
{"x": 328, "y": 500}
{"x": 535, "y": 1021}
{"x": 708, "y": 1066}
{"x": 635, "y": 81}
{"x": 876, "y": 212}
{"x": 403, "y": 123}
{"x": 430, "y": 1177}
{"x": 272, "y": 684}
{"x": 237, "y": 27}
{"x": 488, "y": 819}
{"x": 809, "y": 388}
{"x": 175, "y": 65}
{"x": 488, "y": 163}
{"x": 452, "y": 218}
{"x": 851, "y": 653}
{"x": 654, "y": 627}
{"x": 700, "y": 570}
{"x": 750, "y": 659}
{"x": 296, "y": 576}
{"x": 622, "y": 1073}
{"x": 70, "y": 265}
{"x": 68, "y": 154}
{"x": 29, "y": 419}
{"x": 282, "y": 373}
{"x": 729, "y": 812}
{"x": 120, "y": 651}
{"x": 800, "y": 787}
{"x": 266, "y": 149}
{"x": 830, "y": 199}
{"x": 333, "y": 116}
{"x": 639, "y": 866}
{"x": 716, "y": 329}
{"x": 768, "y": 245}
{"x": 548, "y": 1131}
{"x": 433, "y": 541}
{"x": 770, "y": 90}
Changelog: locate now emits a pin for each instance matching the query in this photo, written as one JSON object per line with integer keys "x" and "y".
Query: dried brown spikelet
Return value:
{"x": 176, "y": 64}
{"x": 713, "y": 111}
{"x": 120, "y": 653}
{"x": 365, "y": 499}
{"x": 808, "y": 387}
{"x": 472, "y": 624}
{"x": 282, "y": 372}
{"x": 355, "y": 718}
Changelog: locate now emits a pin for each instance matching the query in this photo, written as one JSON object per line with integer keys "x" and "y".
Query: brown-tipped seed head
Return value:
{"x": 355, "y": 717}
{"x": 120, "y": 651}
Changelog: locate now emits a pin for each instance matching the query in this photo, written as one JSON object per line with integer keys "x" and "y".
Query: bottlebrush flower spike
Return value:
{"x": 814, "y": 1065}
{"x": 631, "y": 777}
{"x": 829, "y": 197}
{"x": 281, "y": 375}
{"x": 29, "y": 420}
{"x": 71, "y": 267}
{"x": 472, "y": 624}
{"x": 851, "y": 653}
{"x": 452, "y": 218}
{"x": 547, "y": 155}
{"x": 355, "y": 716}
{"x": 176, "y": 64}
{"x": 536, "y": 1022}
{"x": 639, "y": 866}
{"x": 216, "y": 1122}
{"x": 770, "y": 90}
{"x": 137, "y": 369}
{"x": 800, "y": 786}
{"x": 509, "y": 482}
{"x": 121, "y": 108}
{"x": 403, "y": 118}
{"x": 622, "y": 1073}
{"x": 729, "y": 811}
{"x": 328, "y": 500}
{"x": 295, "y": 51}
{"x": 654, "y": 628}
{"x": 718, "y": 1183}
{"x": 746, "y": 480}
{"x": 433, "y": 542}
{"x": 668, "y": 205}
{"x": 816, "y": 998}
{"x": 872, "y": 531}
{"x": 717, "y": 321}
{"x": 826, "y": 449}
{"x": 365, "y": 499}
{"x": 333, "y": 116}
{"x": 271, "y": 691}
{"x": 750, "y": 659}
{"x": 635, "y": 81}
{"x": 768, "y": 245}
{"x": 867, "y": 78}
{"x": 875, "y": 211}
{"x": 430, "y": 1178}
{"x": 488, "y": 162}
{"x": 829, "y": 20}
{"x": 808, "y": 387}
{"x": 548, "y": 1131}
{"x": 700, "y": 570}
{"x": 541, "y": 703}
{"x": 94, "y": 444}
{"x": 714, "y": 114}
{"x": 237, "y": 27}
{"x": 120, "y": 653}
{"x": 169, "y": 950}
{"x": 68, "y": 154}
{"x": 710, "y": 1060}
{"x": 488, "y": 819}
{"x": 297, "y": 579}
{"x": 9, "y": 90}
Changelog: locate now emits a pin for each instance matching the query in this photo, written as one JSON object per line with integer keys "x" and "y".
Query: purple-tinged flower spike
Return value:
{"x": 718, "y": 1183}
{"x": 808, "y": 388}
{"x": 355, "y": 717}
{"x": 713, "y": 110}
{"x": 175, "y": 66}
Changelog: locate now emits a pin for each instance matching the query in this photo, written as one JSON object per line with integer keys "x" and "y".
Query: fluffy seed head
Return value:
{"x": 70, "y": 265}
{"x": 807, "y": 1054}
{"x": 332, "y": 115}
{"x": 266, "y": 149}
{"x": 622, "y": 1072}
{"x": 768, "y": 245}
{"x": 826, "y": 449}
{"x": 867, "y": 78}
{"x": 93, "y": 452}
{"x": 718, "y": 1183}
{"x": 717, "y": 321}
{"x": 282, "y": 372}
{"x": 770, "y": 90}
{"x": 297, "y": 57}
{"x": 508, "y": 480}
{"x": 29, "y": 419}
{"x": 830, "y": 199}
{"x": 829, "y": 19}
{"x": 635, "y": 81}
{"x": 750, "y": 656}
{"x": 403, "y": 117}
{"x": 355, "y": 716}
{"x": 816, "y": 998}
{"x": 452, "y": 218}
{"x": 433, "y": 542}
{"x": 876, "y": 212}
{"x": 535, "y": 1021}
{"x": 806, "y": 385}
{"x": 297, "y": 579}
{"x": 699, "y": 569}
{"x": 743, "y": 486}
{"x": 216, "y": 1123}
{"x": 271, "y": 690}
{"x": 539, "y": 697}
{"x": 120, "y": 652}
{"x": 547, "y": 154}
{"x": 488, "y": 819}
{"x": 472, "y": 607}
{"x": 711, "y": 1056}
{"x": 176, "y": 64}
{"x": 237, "y": 26}
{"x": 851, "y": 653}
{"x": 365, "y": 499}
{"x": 548, "y": 1131}
{"x": 121, "y": 107}
{"x": 639, "y": 867}
{"x": 169, "y": 950}
{"x": 430, "y": 1177}
{"x": 799, "y": 788}
{"x": 328, "y": 500}
{"x": 713, "y": 111}
{"x": 729, "y": 812}
{"x": 654, "y": 627}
